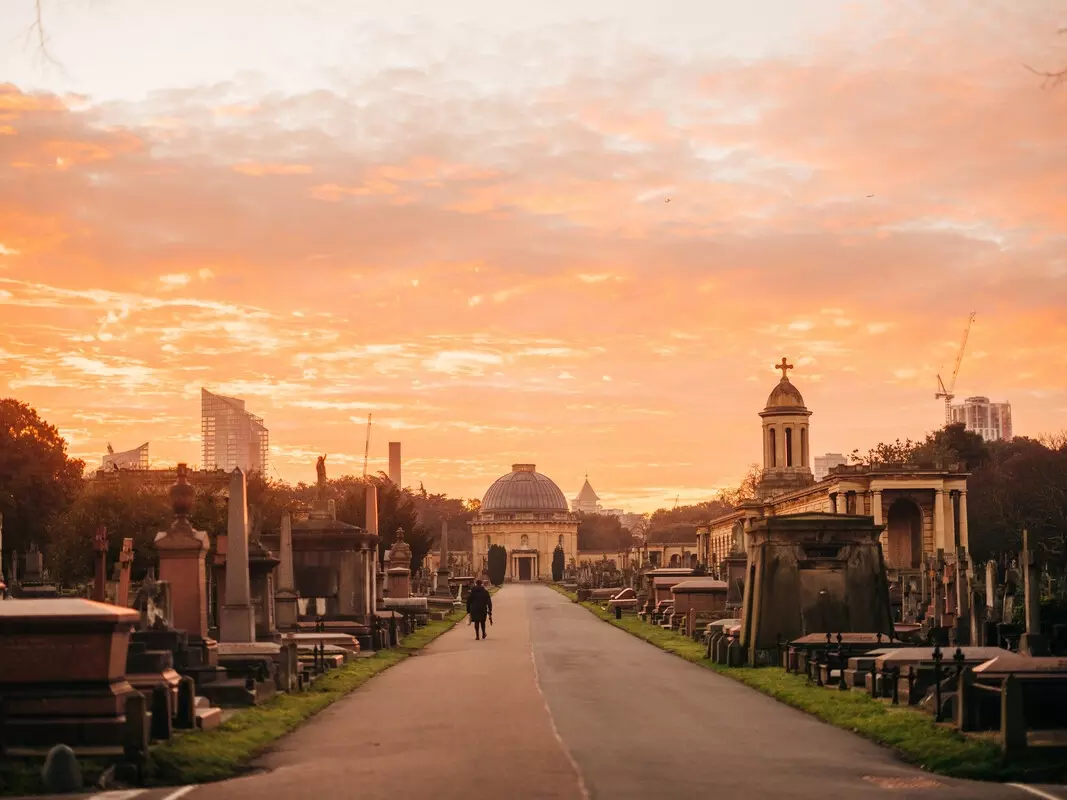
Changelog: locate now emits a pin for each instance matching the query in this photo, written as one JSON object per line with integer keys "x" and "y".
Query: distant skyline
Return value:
{"x": 577, "y": 234}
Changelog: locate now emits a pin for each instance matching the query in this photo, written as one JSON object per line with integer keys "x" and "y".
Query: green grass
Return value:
{"x": 226, "y": 751}
{"x": 911, "y": 733}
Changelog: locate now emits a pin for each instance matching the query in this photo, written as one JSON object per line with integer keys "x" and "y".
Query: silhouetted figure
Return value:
{"x": 479, "y": 606}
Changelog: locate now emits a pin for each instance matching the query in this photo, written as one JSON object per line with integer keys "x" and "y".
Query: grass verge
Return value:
{"x": 226, "y": 751}
{"x": 911, "y": 734}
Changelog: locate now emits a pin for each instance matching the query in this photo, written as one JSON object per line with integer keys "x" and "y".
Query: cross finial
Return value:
{"x": 784, "y": 367}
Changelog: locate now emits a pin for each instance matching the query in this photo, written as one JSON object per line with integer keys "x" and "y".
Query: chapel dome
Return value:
{"x": 524, "y": 489}
{"x": 785, "y": 395}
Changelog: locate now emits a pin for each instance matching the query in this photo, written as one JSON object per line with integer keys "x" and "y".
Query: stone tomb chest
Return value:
{"x": 63, "y": 672}
{"x": 812, "y": 573}
{"x": 702, "y": 595}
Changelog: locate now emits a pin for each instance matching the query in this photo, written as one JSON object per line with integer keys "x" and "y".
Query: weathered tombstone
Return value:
{"x": 963, "y": 598}
{"x": 185, "y": 716}
{"x": 237, "y": 623}
{"x": 122, "y": 591}
{"x": 1012, "y": 719}
{"x": 100, "y": 565}
{"x": 399, "y": 567}
{"x": 61, "y": 773}
{"x": 1032, "y": 642}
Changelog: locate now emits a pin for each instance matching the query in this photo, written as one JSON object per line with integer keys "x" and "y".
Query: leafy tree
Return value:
{"x": 557, "y": 564}
{"x": 729, "y": 499}
{"x": 498, "y": 563}
{"x": 602, "y": 532}
{"x": 38, "y": 480}
{"x": 897, "y": 452}
{"x": 396, "y": 510}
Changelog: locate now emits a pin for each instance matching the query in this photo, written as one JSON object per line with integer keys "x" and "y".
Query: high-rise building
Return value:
{"x": 824, "y": 463}
{"x": 230, "y": 436}
{"x": 128, "y": 459}
{"x": 991, "y": 421}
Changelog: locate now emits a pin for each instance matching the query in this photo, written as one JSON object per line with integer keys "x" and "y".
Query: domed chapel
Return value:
{"x": 527, "y": 513}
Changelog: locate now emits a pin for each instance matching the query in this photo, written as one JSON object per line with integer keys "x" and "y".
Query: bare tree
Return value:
{"x": 1051, "y": 77}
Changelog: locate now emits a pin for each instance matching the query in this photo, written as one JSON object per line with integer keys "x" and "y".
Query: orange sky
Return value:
{"x": 474, "y": 243}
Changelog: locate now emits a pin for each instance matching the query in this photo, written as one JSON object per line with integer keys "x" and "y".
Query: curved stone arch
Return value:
{"x": 904, "y": 534}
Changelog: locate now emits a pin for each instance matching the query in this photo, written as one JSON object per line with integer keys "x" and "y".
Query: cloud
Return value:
{"x": 430, "y": 243}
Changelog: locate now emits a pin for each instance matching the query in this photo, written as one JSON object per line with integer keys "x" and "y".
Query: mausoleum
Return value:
{"x": 527, "y": 513}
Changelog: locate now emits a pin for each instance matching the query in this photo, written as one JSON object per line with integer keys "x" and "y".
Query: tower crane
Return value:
{"x": 366, "y": 448}
{"x": 946, "y": 392}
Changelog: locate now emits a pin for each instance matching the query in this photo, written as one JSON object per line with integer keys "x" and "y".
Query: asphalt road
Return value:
{"x": 556, "y": 704}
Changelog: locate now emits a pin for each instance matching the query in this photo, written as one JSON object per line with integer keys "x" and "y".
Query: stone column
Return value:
{"x": 286, "y": 612}
{"x": 939, "y": 519}
{"x": 1032, "y": 642}
{"x": 182, "y": 551}
{"x": 238, "y": 622}
{"x": 964, "y": 534}
{"x": 876, "y": 506}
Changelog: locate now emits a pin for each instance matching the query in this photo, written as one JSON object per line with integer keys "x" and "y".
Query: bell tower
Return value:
{"x": 786, "y": 447}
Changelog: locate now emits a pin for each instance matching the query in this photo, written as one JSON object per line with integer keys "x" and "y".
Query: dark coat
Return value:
{"x": 479, "y": 604}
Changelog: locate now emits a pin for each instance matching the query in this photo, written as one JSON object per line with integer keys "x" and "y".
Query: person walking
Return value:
{"x": 479, "y": 606}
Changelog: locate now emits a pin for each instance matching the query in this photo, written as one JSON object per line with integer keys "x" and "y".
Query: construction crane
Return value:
{"x": 946, "y": 392}
{"x": 366, "y": 448}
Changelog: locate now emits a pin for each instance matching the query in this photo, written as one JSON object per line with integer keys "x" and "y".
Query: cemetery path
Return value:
{"x": 557, "y": 704}
{"x": 459, "y": 719}
{"x": 642, "y": 723}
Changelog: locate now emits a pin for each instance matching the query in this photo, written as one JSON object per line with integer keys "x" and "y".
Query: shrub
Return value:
{"x": 557, "y": 564}
{"x": 498, "y": 563}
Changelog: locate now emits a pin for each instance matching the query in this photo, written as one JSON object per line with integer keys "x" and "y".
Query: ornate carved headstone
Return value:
{"x": 100, "y": 565}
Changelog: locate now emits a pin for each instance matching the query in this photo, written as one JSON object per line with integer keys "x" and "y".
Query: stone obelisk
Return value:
{"x": 238, "y": 621}
{"x": 285, "y": 606}
{"x": 443, "y": 572}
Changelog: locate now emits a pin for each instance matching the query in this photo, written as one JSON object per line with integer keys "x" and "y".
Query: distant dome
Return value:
{"x": 785, "y": 395}
{"x": 524, "y": 489}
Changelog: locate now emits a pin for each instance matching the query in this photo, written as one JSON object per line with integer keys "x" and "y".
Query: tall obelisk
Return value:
{"x": 238, "y": 620}
{"x": 443, "y": 572}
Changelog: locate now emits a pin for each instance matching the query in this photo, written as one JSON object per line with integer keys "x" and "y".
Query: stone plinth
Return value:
{"x": 182, "y": 551}
{"x": 813, "y": 573}
{"x": 63, "y": 672}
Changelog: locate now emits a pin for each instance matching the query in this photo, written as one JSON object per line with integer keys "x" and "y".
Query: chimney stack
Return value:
{"x": 394, "y": 463}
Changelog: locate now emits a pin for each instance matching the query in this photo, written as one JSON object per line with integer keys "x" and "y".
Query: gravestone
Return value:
{"x": 1032, "y": 642}
{"x": 399, "y": 567}
{"x": 100, "y": 565}
{"x": 122, "y": 591}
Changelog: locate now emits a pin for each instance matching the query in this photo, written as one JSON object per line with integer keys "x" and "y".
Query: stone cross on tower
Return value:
{"x": 785, "y": 366}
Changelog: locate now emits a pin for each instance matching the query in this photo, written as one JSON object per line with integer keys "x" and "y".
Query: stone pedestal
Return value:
{"x": 63, "y": 672}
{"x": 182, "y": 551}
{"x": 261, "y": 564}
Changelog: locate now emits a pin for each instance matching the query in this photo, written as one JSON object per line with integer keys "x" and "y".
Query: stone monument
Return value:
{"x": 182, "y": 551}
{"x": 100, "y": 565}
{"x": 812, "y": 573}
{"x": 285, "y": 596}
{"x": 237, "y": 621}
{"x": 122, "y": 590}
{"x": 1032, "y": 643}
{"x": 399, "y": 567}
